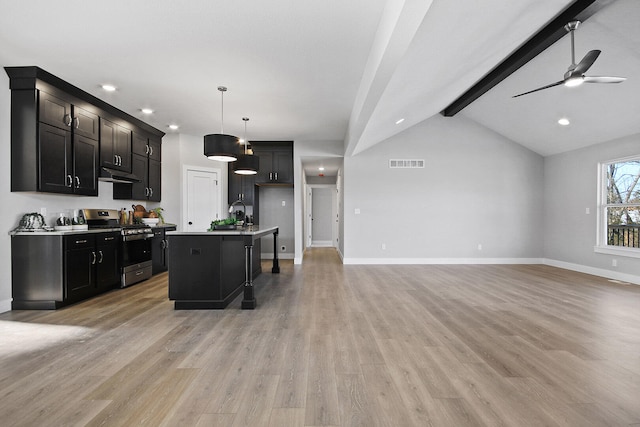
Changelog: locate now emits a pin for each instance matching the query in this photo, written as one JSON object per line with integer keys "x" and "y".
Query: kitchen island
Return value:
{"x": 207, "y": 270}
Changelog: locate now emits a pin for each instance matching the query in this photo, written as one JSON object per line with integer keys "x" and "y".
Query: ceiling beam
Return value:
{"x": 579, "y": 10}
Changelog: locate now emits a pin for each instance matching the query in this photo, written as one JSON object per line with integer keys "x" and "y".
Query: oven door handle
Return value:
{"x": 131, "y": 237}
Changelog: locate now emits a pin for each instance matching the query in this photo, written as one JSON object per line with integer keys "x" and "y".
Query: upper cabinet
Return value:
{"x": 276, "y": 162}
{"x": 52, "y": 147}
{"x": 145, "y": 164}
{"x": 61, "y": 135}
{"x": 115, "y": 146}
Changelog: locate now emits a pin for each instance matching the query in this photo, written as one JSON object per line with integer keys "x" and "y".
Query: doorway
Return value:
{"x": 203, "y": 197}
{"x": 322, "y": 216}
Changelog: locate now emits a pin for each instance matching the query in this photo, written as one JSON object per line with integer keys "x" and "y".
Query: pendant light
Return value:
{"x": 219, "y": 146}
{"x": 247, "y": 164}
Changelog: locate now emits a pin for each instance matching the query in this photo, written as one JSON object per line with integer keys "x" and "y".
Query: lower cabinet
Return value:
{"x": 160, "y": 249}
{"x": 51, "y": 271}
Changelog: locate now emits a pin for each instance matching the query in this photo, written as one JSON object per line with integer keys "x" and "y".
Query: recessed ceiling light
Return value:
{"x": 399, "y": 121}
{"x": 109, "y": 88}
{"x": 320, "y": 168}
{"x": 563, "y": 121}
{"x": 173, "y": 127}
{"x": 147, "y": 110}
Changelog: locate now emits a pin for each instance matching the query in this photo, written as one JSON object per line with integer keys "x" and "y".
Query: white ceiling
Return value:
{"x": 331, "y": 69}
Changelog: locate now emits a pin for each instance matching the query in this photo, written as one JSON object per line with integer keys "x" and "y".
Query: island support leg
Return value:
{"x": 276, "y": 267}
{"x": 249, "y": 301}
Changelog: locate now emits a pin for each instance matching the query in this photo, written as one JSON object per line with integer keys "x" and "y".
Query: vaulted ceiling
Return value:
{"x": 333, "y": 69}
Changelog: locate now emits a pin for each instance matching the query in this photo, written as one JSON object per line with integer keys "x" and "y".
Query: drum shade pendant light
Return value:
{"x": 219, "y": 146}
{"x": 246, "y": 164}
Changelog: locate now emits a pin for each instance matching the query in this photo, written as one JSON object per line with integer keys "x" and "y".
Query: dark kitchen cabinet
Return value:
{"x": 51, "y": 271}
{"x": 54, "y": 151}
{"x": 160, "y": 249}
{"x": 276, "y": 162}
{"x": 240, "y": 187}
{"x": 115, "y": 146}
{"x": 146, "y": 165}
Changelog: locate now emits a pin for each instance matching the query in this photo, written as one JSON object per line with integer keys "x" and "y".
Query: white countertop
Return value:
{"x": 252, "y": 230}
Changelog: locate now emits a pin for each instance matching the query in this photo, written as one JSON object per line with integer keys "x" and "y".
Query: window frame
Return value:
{"x": 602, "y": 225}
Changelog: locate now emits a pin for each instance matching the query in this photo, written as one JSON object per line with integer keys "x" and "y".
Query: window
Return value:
{"x": 619, "y": 210}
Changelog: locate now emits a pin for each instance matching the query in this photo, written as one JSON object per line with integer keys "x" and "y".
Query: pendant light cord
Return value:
{"x": 222, "y": 90}
{"x": 245, "y": 119}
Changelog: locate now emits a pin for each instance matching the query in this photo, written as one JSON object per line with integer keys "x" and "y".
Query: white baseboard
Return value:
{"x": 321, "y": 244}
{"x": 419, "y": 261}
{"x": 5, "y": 305}
{"x": 608, "y": 274}
{"x": 265, "y": 256}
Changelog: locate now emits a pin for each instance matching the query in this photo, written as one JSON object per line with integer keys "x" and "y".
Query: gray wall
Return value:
{"x": 273, "y": 213}
{"x": 570, "y": 186}
{"x": 478, "y": 188}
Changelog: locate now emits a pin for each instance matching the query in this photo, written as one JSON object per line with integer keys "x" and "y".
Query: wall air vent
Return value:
{"x": 406, "y": 163}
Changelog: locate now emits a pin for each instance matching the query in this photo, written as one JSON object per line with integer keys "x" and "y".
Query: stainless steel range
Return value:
{"x": 135, "y": 247}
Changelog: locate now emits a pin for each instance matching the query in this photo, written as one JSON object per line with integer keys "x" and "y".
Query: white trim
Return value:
{"x": 5, "y": 305}
{"x": 419, "y": 261}
{"x": 601, "y": 272}
{"x": 266, "y": 256}
{"x": 618, "y": 251}
{"x": 297, "y": 261}
{"x": 321, "y": 243}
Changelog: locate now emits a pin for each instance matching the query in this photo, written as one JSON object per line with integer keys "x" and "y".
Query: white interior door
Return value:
{"x": 203, "y": 199}
{"x": 309, "y": 217}
{"x": 322, "y": 224}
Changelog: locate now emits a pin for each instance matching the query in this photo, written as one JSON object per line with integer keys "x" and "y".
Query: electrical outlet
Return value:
{"x": 614, "y": 263}
{"x": 284, "y": 203}
{"x": 479, "y": 246}
{"x": 383, "y": 246}
{"x": 357, "y": 211}
{"x": 283, "y": 248}
{"x": 587, "y": 211}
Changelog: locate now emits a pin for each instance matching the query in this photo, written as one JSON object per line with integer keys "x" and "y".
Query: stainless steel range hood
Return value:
{"x": 112, "y": 175}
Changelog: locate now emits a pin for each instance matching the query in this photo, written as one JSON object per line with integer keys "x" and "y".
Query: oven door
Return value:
{"x": 136, "y": 249}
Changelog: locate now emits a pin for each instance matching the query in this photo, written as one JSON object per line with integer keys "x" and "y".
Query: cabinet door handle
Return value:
{"x": 94, "y": 258}
{"x": 146, "y": 149}
{"x": 270, "y": 176}
{"x": 76, "y": 120}
{"x": 77, "y": 182}
{"x": 150, "y": 150}
{"x": 67, "y": 120}
{"x": 101, "y": 257}
{"x": 146, "y": 191}
{"x": 69, "y": 180}
{"x": 163, "y": 244}
{"x": 276, "y": 174}
{"x": 150, "y": 192}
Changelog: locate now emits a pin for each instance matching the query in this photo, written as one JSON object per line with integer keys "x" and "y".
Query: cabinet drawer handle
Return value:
{"x": 139, "y": 272}
{"x": 109, "y": 238}
{"x": 80, "y": 241}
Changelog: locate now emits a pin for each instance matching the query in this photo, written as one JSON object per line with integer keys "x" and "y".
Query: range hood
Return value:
{"x": 112, "y": 175}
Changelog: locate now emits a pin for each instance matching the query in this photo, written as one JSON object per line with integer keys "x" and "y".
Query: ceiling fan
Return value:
{"x": 575, "y": 74}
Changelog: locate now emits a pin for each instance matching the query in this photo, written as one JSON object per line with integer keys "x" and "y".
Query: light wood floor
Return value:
{"x": 333, "y": 345}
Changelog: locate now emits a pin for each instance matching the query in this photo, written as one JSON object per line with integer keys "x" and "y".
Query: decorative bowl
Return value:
{"x": 150, "y": 221}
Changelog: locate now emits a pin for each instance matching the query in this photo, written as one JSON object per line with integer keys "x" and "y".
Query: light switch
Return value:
{"x": 284, "y": 203}
{"x": 357, "y": 211}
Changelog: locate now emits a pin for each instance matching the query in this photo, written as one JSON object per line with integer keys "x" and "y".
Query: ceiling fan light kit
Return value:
{"x": 219, "y": 146}
{"x": 575, "y": 73}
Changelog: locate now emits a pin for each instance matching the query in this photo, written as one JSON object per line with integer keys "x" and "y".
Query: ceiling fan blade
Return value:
{"x": 603, "y": 79}
{"x": 540, "y": 88}
{"x": 586, "y": 62}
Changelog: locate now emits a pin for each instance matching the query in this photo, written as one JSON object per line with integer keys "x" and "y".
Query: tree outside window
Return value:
{"x": 622, "y": 204}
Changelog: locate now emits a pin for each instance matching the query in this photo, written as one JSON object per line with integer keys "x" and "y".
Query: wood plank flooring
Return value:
{"x": 334, "y": 345}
